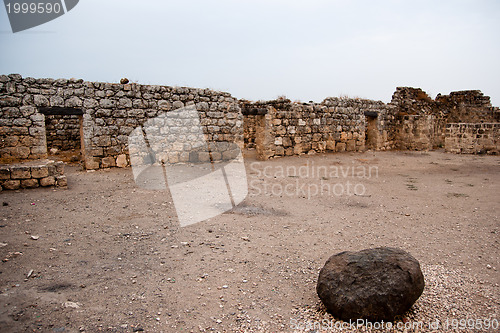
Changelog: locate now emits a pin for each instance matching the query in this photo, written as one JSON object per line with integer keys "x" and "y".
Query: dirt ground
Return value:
{"x": 105, "y": 255}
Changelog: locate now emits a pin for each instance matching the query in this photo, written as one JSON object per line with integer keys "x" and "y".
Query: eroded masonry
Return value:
{"x": 93, "y": 121}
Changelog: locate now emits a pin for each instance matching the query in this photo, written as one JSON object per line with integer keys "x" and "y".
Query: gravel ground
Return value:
{"x": 453, "y": 301}
{"x": 105, "y": 255}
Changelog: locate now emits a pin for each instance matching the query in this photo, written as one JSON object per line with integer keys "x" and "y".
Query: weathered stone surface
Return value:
{"x": 73, "y": 102}
{"x": 4, "y": 172}
{"x": 48, "y": 181}
{"x": 41, "y": 100}
{"x": 108, "y": 162}
{"x": 39, "y": 172}
{"x": 59, "y": 167}
{"x": 20, "y": 172}
{"x": 11, "y": 184}
{"x": 373, "y": 284}
{"x": 91, "y": 163}
{"x": 29, "y": 183}
{"x": 121, "y": 161}
{"x": 61, "y": 181}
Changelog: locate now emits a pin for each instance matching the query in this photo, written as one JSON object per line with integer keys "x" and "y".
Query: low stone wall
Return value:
{"x": 479, "y": 138}
{"x": 32, "y": 174}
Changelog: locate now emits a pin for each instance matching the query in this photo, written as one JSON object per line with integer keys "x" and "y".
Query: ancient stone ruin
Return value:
{"x": 91, "y": 121}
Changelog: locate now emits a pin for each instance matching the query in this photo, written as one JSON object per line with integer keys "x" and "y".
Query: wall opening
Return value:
{"x": 63, "y": 128}
{"x": 371, "y": 130}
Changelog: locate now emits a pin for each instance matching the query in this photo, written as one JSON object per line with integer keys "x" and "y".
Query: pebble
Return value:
{"x": 72, "y": 305}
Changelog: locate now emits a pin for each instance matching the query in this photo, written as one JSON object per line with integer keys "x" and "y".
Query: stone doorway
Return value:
{"x": 63, "y": 133}
{"x": 371, "y": 130}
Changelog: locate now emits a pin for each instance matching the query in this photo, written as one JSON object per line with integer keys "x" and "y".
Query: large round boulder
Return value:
{"x": 373, "y": 284}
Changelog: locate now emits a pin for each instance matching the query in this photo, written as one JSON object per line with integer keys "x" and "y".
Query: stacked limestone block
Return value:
{"x": 474, "y": 138}
{"x": 22, "y": 128}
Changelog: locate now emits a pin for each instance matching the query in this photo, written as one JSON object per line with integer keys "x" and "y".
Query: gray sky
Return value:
{"x": 256, "y": 49}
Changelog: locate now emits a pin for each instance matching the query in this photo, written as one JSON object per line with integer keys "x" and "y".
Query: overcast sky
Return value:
{"x": 262, "y": 49}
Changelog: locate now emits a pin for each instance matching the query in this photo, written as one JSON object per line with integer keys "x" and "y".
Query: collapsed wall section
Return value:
{"x": 421, "y": 123}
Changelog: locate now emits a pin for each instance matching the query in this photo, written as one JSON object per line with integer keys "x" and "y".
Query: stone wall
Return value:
{"x": 62, "y": 132}
{"x": 283, "y": 128}
{"x": 415, "y": 132}
{"x": 110, "y": 112}
{"x": 468, "y": 106}
{"x": 98, "y": 118}
{"x": 32, "y": 174}
{"x": 22, "y": 128}
{"x": 411, "y": 121}
{"x": 420, "y": 122}
{"x": 473, "y": 138}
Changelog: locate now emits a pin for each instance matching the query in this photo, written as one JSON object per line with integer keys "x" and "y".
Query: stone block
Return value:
{"x": 38, "y": 150}
{"x": 20, "y": 152}
{"x": 287, "y": 142}
{"x": 173, "y": 157}
{"x": 20, "y": 172}
{"x": 341, "y": 146}
{"x": 92, "y": 163}
{"x": 27, "y": 110}
{"x": 59, "y": 167}
{"x": 52, "y": 169}
{"x": 280, "y": 151}
{"x": 204, "y": 156}
{"x": 4, "y": 172}
{"x": 124, "y": 103}
{"x": 61, "y": 181}
{"x": 74, "y": 102}
{"x": 104, "y": 141}
{"x": 184, "y": 157}
{"x": 193, "y": 157}
{"x": 216, "y": 156}
{"x": 41, "y": 100}
{"x": 108, "y": 162}
{"x": 39, "y": 171}
{"x": 121, "y": 161}
{"x": 11, "y": 184}
{"x": 107, "y": 103}
{"x": 48, "y": 181}
{"x": 330, "y": 145}
{"x": 29, "y": 183}
{"x": 351, "y": 145}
